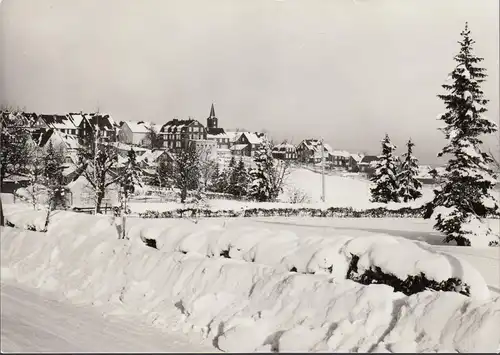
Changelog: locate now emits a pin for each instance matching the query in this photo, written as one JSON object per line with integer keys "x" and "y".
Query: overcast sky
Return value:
{"x": 345, "y": 70}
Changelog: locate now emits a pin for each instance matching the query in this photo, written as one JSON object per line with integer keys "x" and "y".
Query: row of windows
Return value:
{"x": 170, "y": 136}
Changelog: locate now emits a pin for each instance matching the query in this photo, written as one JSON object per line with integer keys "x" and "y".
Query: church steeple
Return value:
{"x": 212, "y": 111}
{"x": 212, "y": 121}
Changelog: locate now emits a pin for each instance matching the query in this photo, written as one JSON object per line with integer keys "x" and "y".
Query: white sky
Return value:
{"x": 349, "y": 71}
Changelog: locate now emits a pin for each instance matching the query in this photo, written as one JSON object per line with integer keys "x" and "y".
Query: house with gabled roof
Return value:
{"x": 247, "y": 143}
{"x": 310, "y": 151}
{"x": 367, "y": 164}
{"x": 177, "y": 133}
{"x": 354, "y": 160}
{"x": 61, "y": 123}
{"x": 136, "y": 132}
{"x": 339, "y": 158}
{"x": 97, "y": 124}
{"x": 284, "y": 151}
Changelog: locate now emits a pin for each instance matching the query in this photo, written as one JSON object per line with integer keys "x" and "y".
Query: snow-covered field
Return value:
{"x": 341, "y": 191}
{"x": 252, "y": 302}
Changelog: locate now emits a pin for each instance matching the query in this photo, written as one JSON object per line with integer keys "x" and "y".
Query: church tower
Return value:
{"x": 212, "y": 121}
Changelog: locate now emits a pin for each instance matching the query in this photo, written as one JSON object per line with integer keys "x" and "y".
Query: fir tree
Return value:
{"x": 163, "y": 174}
{"x": 131, "y": 176}
{"x": 261, "y": 186}
{"x": 240, "y": 180}
{"x": 187, "y": 171}
{"x": 15, "y": 144}
{"x": 465, "y": 195}
{"x": 214, "y": 179}
{"x": 385, "y": 176}
{"x": 409, "y": 185}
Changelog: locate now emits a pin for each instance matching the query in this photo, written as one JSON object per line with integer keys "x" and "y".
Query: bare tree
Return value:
{"x": 97, "y": 164}
{"x": 153, "y": 138}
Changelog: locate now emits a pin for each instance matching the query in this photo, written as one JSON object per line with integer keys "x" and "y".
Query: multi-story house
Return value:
{"x": 247, "y": 144}
{"x": 285, "y": 151}
{"x": 62, "y": 123}
{"x": 339, "y": 159}
{"x": 177, "y": 133}
{"x": 97, "y": 125}
{"x": 310, "y": 151}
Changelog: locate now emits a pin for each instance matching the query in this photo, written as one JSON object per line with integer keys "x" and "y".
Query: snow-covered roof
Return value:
{"x": 58, "y": 121}
{"x": 340, "y": 153}
{"x": 239, "y": 146}
{"x": 283, "y": 147}
{"x": 368, "y": 159}
{"x": 136, "y": 126}
{"x": 357, "y": 157}
{"x": 70, "y": 141}
{"x": 233, "y": 136}
{"x": 253, "y": 138}
{"x": 176, "y": 125}
{"x": 76, "y": 118}
{"x": 315, "y": 145}
{"x": 217, "y": 136}
{"x": 150, "y": 156}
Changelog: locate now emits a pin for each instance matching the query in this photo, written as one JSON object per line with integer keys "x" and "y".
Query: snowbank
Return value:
{"x": 241, "y": 306}
{"x": 330, "y": 254}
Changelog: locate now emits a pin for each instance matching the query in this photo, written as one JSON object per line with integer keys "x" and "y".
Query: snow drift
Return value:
{"x": 249, "y": 306}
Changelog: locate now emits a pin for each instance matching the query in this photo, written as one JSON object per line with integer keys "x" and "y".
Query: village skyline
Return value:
{"x": 336, "y": 70}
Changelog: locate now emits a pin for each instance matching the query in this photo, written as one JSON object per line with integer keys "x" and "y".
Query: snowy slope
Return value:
{"x": 340, "y": 191}
{"x": 35, "y": 322}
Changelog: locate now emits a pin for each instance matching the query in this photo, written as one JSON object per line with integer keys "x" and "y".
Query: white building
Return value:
{"x": 135, "y": 132}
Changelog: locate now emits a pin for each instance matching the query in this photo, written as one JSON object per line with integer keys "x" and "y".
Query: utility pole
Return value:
{"x": 322, "y": 170}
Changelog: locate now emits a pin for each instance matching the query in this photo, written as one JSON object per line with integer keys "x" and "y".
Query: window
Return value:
{"x": 178, "y": 144}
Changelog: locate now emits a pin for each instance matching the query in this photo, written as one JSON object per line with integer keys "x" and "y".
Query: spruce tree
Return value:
{"x": 131, "y": 176}
{"x": 240, "y": 180}
{"x": 261, "y": 177}
{"x": 409, "y": 185}
{"x": 385, "y": 176}
{"x": 465, "y": 196}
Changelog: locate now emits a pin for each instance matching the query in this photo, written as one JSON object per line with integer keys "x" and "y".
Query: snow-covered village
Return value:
{"x": 234, "y": 176}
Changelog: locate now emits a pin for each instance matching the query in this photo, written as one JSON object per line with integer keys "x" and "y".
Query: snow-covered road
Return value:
{"x": 34, "y": 322}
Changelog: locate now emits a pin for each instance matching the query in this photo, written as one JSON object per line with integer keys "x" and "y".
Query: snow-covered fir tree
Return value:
{"x": 131, "y": 177}
{"x": 239, "y": 180}
{"x": 261, "y": 177}
{"x": 409, "y": 185}
{"x": 15, "y": 143}
{"x": 465, "y": 196}
{"x": 187, "y": 171}
{"x": 385, "y": 177}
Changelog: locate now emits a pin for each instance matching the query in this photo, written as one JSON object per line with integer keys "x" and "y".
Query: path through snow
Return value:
{"x": 35, "y": 322}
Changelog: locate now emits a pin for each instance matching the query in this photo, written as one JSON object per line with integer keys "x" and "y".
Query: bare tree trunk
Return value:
{"x": 2, "y": 222}
{"x": 183, "y": 194}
